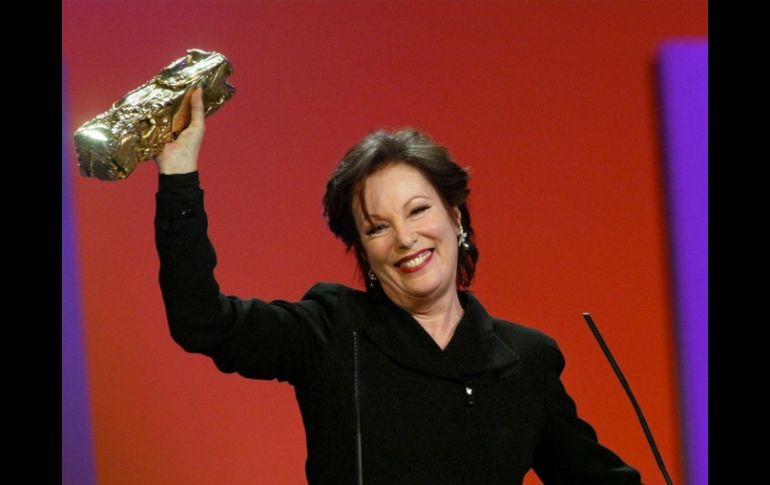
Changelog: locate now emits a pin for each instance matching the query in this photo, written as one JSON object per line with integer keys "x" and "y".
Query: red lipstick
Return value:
{"x": 412, "y": 269}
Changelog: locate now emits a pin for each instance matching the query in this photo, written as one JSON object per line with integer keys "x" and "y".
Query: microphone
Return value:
{"x": 357, "y": 398}
{"x": 638, "y": 410}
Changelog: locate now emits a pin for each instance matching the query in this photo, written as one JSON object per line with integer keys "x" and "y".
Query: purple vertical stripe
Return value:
{"x": 77, "y": 448}
{"x": 684, "y": 93}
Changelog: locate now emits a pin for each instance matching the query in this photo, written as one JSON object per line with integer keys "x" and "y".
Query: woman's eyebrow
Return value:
{"x": 415, "y": 197}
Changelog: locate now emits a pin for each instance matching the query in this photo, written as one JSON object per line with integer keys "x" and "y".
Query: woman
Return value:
{"x": 411, "y": 382}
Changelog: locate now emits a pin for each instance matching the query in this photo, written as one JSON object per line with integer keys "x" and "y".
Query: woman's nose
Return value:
{"x": 405, "y": 237}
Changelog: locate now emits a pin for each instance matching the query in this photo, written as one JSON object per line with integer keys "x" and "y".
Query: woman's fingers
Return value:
{"x": 192, "y": 135}
{"x": 182, "y": 117}
{"x": 197, "y": 108}
{"x": 181, "y": 155}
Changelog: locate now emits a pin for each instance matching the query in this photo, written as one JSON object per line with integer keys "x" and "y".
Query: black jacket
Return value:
{"x": 485, "y": 410}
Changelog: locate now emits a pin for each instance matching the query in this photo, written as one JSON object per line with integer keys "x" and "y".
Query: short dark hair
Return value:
{"x": 377, "y": 150}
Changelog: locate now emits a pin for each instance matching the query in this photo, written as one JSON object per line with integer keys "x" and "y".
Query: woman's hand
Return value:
{"x": 181, "y": 155}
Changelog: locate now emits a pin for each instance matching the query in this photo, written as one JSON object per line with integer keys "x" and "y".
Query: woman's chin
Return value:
{"x": 422, "y": 288}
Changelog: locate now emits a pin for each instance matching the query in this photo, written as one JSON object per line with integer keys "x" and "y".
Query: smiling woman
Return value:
{"x": 410, "y": 382}
{"x": 412, "y": 248}
{"x": 345, "y": 190}
{"x": 399, "y": 200}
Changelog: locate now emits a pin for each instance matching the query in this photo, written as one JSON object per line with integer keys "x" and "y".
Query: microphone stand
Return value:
{"x": 627, "y": 388}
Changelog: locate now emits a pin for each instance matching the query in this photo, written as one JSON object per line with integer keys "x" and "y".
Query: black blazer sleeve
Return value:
{"x": 257, "y": 339}
{"x": 569, "y": 452}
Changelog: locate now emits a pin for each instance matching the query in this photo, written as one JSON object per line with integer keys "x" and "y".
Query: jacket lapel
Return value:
{"x": 474, "y": 348}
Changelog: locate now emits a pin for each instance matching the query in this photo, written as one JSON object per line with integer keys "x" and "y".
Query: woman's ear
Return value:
{"x": 458, "y": 217}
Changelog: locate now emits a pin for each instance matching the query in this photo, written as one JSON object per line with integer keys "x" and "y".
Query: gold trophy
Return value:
{"x": 110, "y": 146}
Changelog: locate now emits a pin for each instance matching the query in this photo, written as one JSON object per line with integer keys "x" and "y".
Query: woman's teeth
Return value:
{"x": 416, "y": 261}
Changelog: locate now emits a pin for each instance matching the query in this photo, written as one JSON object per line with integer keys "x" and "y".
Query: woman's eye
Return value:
{"x": 375, "y": 229}
{"x": 420, "y": 209}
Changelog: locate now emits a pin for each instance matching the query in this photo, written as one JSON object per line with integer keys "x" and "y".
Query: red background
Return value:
{"x": 552, "y": 105}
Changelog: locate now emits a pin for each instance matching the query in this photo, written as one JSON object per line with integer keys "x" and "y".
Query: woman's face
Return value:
{"x": 412, "y": 244}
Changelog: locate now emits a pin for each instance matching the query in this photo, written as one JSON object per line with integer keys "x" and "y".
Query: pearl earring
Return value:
{"x": 372, "y": 278}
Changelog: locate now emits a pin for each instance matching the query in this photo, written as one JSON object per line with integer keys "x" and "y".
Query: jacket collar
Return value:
{"x": 475, "y": 347}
